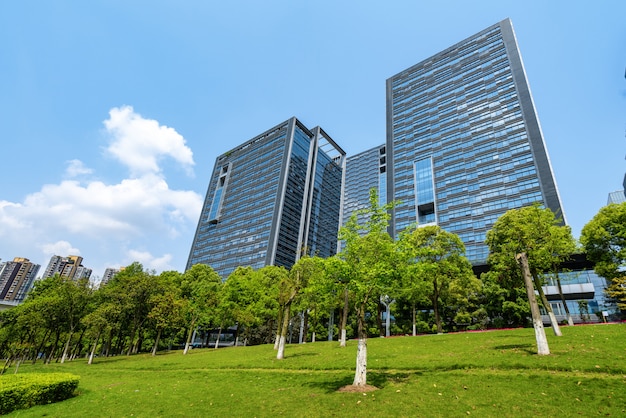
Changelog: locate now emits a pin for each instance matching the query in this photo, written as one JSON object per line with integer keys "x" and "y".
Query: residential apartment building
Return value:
{"x": 16, "y": 279}
{"x": 108, "y": 275}
{"x": 271, "y": 200}
{"x": 70, "y": 267}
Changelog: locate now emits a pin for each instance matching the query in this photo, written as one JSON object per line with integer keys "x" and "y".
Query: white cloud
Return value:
{"x": 76, "y": 168}
{"x": 149, "y": 261}
{"x": 140, "y": 143}
{"x": 103, "y": 219}
{"x": 62, "y": 248}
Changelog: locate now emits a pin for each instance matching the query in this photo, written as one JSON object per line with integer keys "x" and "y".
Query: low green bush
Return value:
{"x": 21, "y": 391}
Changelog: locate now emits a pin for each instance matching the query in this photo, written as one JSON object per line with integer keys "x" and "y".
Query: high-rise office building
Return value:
{"x": 364, "y": 171}
{"x": 69, "y": 267}
{"x": 464, "y": 143}
{"x": 16, "y": 278}
{"x": 616, "y": 197}
{"x": 270, "y": 200}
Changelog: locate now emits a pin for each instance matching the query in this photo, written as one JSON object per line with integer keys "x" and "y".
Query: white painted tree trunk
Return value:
{"x": 546, "y": 304}
{"x": 570, "y": 320}
{"x": 283, "y": 334}
{"x": 540, "y": 334}
{"x": 555, "y": 325}
{"x": 313, "y": 337}
{"x": 281, "y": 348}
{"x": 67, "y": 347}
{"x": 93, "y": 349}
{"x": 360, "y": 376}
{"x": 342, "y": 340}
{"x": 156, "y": 342}
{"x": 217, "y": 340}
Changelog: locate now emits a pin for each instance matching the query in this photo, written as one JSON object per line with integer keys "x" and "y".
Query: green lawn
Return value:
{"x": 482, "y": 374}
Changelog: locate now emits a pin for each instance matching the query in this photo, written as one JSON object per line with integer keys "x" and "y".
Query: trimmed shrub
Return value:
{"x": 21, "y": 391}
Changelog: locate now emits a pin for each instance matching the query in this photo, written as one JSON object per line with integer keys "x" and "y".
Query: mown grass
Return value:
{"x": 482, "y": 374}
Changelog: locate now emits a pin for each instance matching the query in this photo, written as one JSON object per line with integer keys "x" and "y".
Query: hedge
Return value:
{"x": 20, "y": 391}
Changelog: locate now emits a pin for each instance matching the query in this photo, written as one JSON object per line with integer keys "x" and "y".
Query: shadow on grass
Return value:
{"x": 528, "y": 348}
{"x": 378, "y": 379}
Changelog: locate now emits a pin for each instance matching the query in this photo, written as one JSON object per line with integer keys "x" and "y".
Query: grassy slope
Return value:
{"x": 482, "y": 374}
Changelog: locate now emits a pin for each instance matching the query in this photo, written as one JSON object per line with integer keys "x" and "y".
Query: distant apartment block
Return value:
{"x": 16, "y": 279}
{"x": 271, "y": 200}
{"x": 108, "y": 275}
{"x": 69, "y": 267}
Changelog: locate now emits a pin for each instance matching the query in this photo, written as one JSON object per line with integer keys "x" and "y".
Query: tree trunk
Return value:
{"x": 279, "y": 325}
{"x": 540, "y": 334}
{"x": 217, "y": 340}
{"x": 67, "y": 346}
{"x": 156, "y": 342}
{"x": 79, "y": 345}
{"x": 436, "y": 309}
{"x": 53, "y": 347}
{"x": 93, "y": 349}
{"x": 189, "y": 334}
{"x": 40, "y": 347}
{"x": 379, "y": 319}
{"x": 344, "y": 318}
{"x": 544, "y": 301}
{"x": 414, "y": 329}
{"x": 283, "y": 333}
{"x": 360, "y": 375}
{"x": 305, "y": 326}
{"x": 570, "y": 320}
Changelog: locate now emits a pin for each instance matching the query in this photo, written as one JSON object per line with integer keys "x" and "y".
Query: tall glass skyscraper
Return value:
{"x": 271, "y": 200}
{"x": 464, "y": 143}
{"x": 364, "y": 171}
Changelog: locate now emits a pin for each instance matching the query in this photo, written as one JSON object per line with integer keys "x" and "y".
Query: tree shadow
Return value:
{"x": 380, "y": 379}
{"x": 529, "y": 348}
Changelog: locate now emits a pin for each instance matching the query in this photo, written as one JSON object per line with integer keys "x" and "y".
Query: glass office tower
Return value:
{"x": 464, "y": 143}
{"x": 270, "y": 200}
{"x": 364, "y": 171}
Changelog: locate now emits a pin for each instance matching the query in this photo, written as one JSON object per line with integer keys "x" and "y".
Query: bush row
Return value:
{"x": 20, "y": 391}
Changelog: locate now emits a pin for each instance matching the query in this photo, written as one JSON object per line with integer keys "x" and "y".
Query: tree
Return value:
{"x": 617, "y": 291}
{"x": 200, "y": 289}
{"x": 167, "y": 305}
{"x": 250, "y": 298}
{"x": 540, "y": 335}
{"x": 370, "y": 256}
{"x": 604, "y": 241}
{"x": 133, "y": 289}
{"x": 338, "y": 274}
{"x": 535, "y": 231}
{"x": 289, "y": 288}
{"x": 437, "y": 258}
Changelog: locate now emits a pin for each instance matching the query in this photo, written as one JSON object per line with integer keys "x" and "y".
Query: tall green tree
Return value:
{"x": 371, "y": 257}
{"x": 200, "y": 288}
{"x": 604, "y": 241}
{"x": 289, "y": 289}
{"x": 167, "y": 305}
{"x": 338, "y": 276}
{"x": 535, "y": 231}
{"x": 437, "y": 257}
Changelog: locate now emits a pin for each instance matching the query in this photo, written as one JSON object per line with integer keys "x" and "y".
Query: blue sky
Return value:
{"x": 113, "y": 112}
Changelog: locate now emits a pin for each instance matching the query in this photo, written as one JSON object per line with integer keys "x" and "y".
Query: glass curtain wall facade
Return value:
{"x": 365, "y": 171}
{"x": 270, "y": 200}
{"x": 464, "y": 143}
